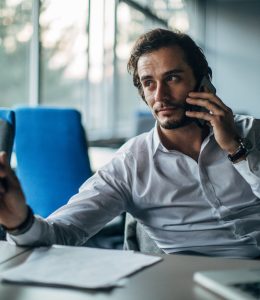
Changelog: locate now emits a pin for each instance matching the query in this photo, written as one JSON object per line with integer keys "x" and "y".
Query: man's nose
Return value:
{"x": 161, "y": 92}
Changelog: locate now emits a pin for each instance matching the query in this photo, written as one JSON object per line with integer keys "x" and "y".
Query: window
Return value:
{"x": 15, "y": 35}
{"x": 63, "y": 65}
{"x": 84, "y": 48}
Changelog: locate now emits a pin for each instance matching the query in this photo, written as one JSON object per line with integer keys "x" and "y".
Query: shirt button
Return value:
{"x": 255, "y": 168}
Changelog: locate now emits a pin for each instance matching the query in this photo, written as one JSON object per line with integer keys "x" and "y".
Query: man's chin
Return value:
{"x": 173, "y": 124}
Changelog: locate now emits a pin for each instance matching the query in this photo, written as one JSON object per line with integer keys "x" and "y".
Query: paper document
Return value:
{"x": 80, "y": 267}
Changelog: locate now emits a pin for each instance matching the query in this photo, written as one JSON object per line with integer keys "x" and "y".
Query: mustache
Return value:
{"x": 168, "y": 104}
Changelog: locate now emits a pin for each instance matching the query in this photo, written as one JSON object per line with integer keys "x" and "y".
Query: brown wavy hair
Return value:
{"x": 160, "y": 38}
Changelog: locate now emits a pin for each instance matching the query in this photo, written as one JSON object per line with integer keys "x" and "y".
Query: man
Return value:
{"x": 193, "y": 186}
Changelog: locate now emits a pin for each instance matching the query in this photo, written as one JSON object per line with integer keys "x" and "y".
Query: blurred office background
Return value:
{"x": 73, "y": 53}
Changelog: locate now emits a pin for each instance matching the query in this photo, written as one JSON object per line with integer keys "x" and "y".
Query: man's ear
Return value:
{"x": 143, "y": 98}
{"x": 141, "y": 93}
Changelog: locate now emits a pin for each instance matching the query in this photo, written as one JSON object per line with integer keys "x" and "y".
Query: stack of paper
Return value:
{"x": 77, "y": 267}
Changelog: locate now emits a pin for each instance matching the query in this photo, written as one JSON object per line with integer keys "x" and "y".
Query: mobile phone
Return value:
{"x": 205, "y": 85}
{"x": 6, "y": 138}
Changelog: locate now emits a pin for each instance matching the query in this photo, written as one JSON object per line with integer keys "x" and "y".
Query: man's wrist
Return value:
{"x": 232, "y": 150}
{"x": 25, "y": 226}
{"x": 244, "y": 147}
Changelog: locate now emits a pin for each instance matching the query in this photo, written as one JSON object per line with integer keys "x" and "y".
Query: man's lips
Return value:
{"x": 167, "y": 108}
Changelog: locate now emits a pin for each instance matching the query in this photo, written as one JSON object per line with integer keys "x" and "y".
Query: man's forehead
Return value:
{"x": 169, "y": 58}
{"x": 174, "y": 50}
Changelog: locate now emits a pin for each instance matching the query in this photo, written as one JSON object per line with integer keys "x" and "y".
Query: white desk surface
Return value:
{"x": 170, "y": 279}
{"x": 99, "y": 156}
{"x": 8, "y": 251}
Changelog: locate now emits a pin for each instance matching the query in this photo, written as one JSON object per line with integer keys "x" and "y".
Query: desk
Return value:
{"x": 170, "y": 279}
{"x": 8, "y": 251}
{"x": 99, "y": 156}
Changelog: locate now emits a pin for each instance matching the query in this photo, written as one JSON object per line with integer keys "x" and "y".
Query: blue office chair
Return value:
{"x": 144, "y": 121}
{"x": 7, "y": 115}
{"x": 7, "y": 131}
{"x": 52, "y": 156}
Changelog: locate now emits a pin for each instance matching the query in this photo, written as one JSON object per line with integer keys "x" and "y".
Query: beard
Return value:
{"x": 172, "y": 122}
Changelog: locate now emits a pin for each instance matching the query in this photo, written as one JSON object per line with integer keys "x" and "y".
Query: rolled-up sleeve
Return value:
{"x": 101, "y": 198}
{"x": 250, "y": 168}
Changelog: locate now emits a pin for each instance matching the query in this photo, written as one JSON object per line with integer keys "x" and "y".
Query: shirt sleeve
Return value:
{"x": 250, "y": 168}
{"x": 101, "y": 198}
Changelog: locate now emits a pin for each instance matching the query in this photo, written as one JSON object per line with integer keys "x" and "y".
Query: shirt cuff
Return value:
{"x": 30, "y": 237}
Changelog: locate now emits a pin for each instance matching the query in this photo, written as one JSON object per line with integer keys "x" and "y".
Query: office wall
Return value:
{"x": 232, "y": 45}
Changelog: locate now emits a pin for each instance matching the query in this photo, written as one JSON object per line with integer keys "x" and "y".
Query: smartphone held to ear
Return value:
{"x": 205, "y": 85}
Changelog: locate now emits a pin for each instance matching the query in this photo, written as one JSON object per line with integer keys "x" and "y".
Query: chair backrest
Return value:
{"x": 137, "y": 239}
{"x": 7, "y": 130}
{"x": 144, "y": 121}
{"x": 52, "y": 155}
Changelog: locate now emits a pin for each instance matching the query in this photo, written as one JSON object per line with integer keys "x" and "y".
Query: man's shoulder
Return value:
{"x": 246, "y": 124}
{"x": 242, "y": 118}
{"x": 139, "y": 143}
{"x": 245, "y": 121}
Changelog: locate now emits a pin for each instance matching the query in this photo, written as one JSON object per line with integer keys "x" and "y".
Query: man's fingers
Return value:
{"x": 208, "y": 96}
{"x": 6, "y": 172}
{"x": 3, "y": 186}
{"x": 3, "y": 158}
{"x": 2, "y": 164}
{"x": 199, "y": 115}
{"x": 211, "y": 107}
{"x": 3, "y": 161}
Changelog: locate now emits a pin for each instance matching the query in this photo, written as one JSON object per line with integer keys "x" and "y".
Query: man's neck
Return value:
{"x": 187, "y": 139}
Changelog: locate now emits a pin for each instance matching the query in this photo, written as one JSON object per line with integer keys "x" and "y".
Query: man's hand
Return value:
{"x": 219, "y": 116}
{"x": 13, "y": 209}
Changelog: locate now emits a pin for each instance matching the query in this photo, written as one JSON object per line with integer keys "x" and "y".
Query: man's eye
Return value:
{"x": 147, "y": 83}
{"x": 175, "y": 78}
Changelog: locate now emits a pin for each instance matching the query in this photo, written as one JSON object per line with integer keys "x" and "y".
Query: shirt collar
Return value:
{"x": 157, "y": 144}
{"x": 156, "y": 138}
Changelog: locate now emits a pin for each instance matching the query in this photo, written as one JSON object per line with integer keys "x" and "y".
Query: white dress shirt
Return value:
{"x": 210, "y": 207}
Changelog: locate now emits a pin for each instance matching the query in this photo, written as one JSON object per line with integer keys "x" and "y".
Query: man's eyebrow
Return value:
{"x": 174, "y": 71}
{"x": 145, "y": 77}
{"x": 170, "y": 72}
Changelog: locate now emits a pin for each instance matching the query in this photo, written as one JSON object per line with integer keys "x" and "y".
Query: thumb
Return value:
{"x": 3, "y": 158}
{"x": 4, "y": 165}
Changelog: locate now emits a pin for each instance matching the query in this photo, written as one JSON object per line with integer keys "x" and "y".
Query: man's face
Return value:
{"x": 166, "y": 81}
